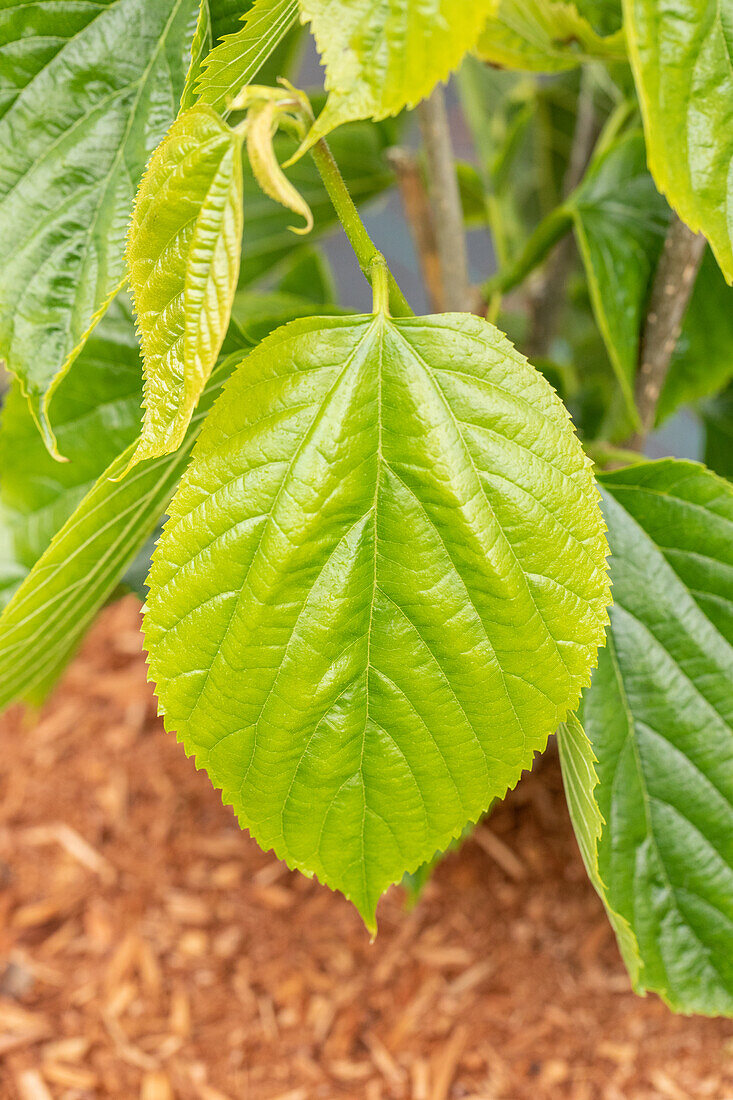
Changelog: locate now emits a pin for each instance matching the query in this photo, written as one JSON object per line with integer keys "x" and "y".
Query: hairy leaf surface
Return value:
{"x": 381, "y": 587}
{"x": 237, "y": 59}
{"x": 184, "y": 249}
{"x": 59, "y": 599}
{"x": 681, "y": 55}
{"x": 381, "y": 57}
{"x": 97, "y": 416}
{"x": 544, "y": 36}
{"x": 87, "y": 92}
{"x": 659, "y": 715}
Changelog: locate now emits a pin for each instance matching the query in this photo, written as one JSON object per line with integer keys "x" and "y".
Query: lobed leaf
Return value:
{"x": 381, "y": 57}
{"x": 381, "y": 586}
{"x": 183, "y": 252}
{"x": 237, "y": 59}
{"x": 681, "y": 56}
{"x": 659, "y": 716}
{"x": 545, "y": 36}
{"x": 86, "y": 94}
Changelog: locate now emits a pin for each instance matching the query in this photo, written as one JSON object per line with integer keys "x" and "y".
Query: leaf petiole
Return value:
{"x": 354, "y": 227}
{"x": 379, "y": 278}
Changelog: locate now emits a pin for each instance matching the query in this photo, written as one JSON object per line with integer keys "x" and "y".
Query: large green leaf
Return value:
{"x": 620, "y": 221}
{"x": 88, "y": 89}
{"x": 184, "y": 250}
{"x": 681, "y": 54}
{"x": 544, "y": 36}
{"x": 97, "y": 416}
{"x": 55, "y": 605}
{"x": 359, "y": 149}
{"x": 238, "y": 58}
{"x": 702, "y": 361}
{"x": 380, "y": 57}
{"x": 381, "y": 586}
{"x": 659, "y": 715}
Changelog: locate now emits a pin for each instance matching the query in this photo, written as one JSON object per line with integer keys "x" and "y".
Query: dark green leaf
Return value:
{"x": 55, "y": 605}
{"x": 97, "y": 416}
{"x": 659, "y": 716}
{"x": 580, "y": 780}
{"x": 88, "y": 95}
{"x": 620, "y": 221}
{"x": 309, "y": 275}
{"x": 717, "y": 417}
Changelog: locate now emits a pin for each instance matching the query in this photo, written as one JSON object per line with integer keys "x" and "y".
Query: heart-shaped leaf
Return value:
{"x": 184, "y": 251}
{"x": 381, "y": 587}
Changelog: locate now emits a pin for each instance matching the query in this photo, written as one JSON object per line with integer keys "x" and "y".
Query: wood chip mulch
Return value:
{"x": 149, "y": 950}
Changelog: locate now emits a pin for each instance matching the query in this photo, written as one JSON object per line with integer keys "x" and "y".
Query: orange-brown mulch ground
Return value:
{"x": 149, "y": 949}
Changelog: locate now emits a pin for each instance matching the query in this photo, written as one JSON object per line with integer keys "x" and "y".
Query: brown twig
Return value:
{"x": 419, "y": 216}
{"x": 446, "y": 202}
{"x": 673, "y": 282}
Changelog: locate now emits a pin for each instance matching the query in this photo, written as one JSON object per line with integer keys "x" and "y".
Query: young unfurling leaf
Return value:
{"x": 381, "y": 587}
{"x": 184, "y": 252}
{"x": 262, "y": 124}
{"x": 237, "y": 59}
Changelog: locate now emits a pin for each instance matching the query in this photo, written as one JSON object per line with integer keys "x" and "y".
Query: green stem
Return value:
{"x": 364, "y": 248}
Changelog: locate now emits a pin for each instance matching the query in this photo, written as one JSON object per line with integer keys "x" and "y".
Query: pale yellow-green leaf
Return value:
{"x": 184, "y": 254}
{"x": 681, "y": 53}
{"x": 544, "y": 36}
{"x": 578, "y": 764}
{"x": 262, "y": 124}
{"x": 385, "y": 55}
